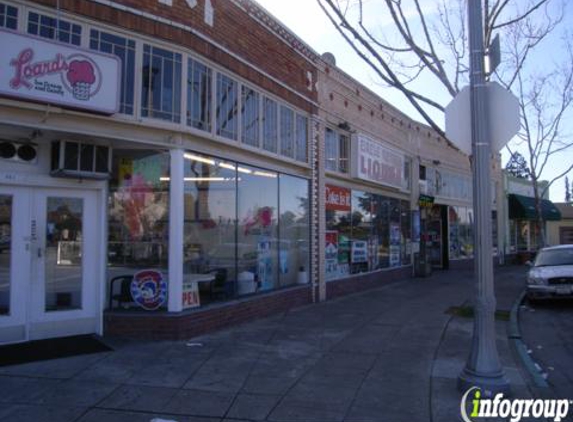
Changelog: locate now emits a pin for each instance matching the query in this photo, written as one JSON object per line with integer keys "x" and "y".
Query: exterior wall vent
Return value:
{"x": 19, "y": 152}
{"x": 80, "y": 160}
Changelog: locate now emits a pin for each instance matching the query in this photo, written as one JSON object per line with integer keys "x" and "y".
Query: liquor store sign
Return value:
{"x": 35, "y": 69}
{"x": 377, "y": 163}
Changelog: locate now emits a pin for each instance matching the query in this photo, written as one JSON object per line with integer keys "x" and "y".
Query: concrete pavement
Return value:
{"x": 389, "y": 354}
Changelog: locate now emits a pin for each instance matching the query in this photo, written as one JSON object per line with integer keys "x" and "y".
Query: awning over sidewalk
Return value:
{"x": 523, "y": 208}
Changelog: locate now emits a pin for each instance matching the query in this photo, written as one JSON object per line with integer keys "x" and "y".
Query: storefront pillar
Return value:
{"x": 176, "y": 217}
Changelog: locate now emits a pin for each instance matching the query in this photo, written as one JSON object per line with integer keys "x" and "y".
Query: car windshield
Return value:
{"x": 554, "y": 257}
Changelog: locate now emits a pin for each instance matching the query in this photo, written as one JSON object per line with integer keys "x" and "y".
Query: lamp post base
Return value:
{"x": 489, "y": 384}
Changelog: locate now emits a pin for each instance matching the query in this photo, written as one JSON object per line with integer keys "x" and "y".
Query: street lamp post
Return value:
{"x": 483, "y": 368}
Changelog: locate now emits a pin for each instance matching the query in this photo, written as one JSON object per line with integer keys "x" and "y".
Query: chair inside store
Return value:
{"x": 123, "y": 298}
{"x": 218, "y": 288}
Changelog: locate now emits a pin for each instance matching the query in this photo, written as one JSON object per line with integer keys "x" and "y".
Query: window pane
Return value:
{"x": 209, "y": 229}
{"x": 125, "y": 50}
{"x": 301, "y": 138}
{"x": 161, "y": 84}
{"x": 5, "y": 252}
{"x": 343, "y": 154}
{"x": 8, "y": 16}
{"x": 331, "y": 150}
{"x": 226, "y": 107}
{"x": 138, "y": 209}
{"x": 257, "y": 243}
{"x": 287, "y": 132}
{"x": 55, "y": 29}
{"x": 63, "y": 256}
{"x": 198, "y": 96}
{"x": 250, "y": 117}
{"x": 294, "y": 230}
{"x": 270, "y": 130}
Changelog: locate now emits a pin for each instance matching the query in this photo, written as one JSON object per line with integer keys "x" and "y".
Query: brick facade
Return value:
{"x": 234, "y": 30}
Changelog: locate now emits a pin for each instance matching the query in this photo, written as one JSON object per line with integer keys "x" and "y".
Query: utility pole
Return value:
{"x": 483, "y": 368}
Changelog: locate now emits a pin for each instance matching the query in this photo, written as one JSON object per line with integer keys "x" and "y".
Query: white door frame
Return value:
{"x": 18, "y": 184}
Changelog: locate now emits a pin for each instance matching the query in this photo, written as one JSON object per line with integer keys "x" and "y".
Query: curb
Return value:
{"x": 514, "y": 335}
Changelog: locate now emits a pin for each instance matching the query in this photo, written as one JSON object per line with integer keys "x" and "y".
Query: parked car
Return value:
{"x": 551, "y": 273}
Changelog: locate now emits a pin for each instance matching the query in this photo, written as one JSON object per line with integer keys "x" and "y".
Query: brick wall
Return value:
{"x": 233, "y": 29}
{"x": 164, "y": 326}
{"x": 361, "y": 282}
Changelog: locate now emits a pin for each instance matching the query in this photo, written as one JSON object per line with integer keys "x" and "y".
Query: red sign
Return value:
{"x": 337, "y": 198}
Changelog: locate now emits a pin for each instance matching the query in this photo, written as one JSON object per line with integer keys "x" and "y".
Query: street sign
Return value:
{"x": 503, "y": 114}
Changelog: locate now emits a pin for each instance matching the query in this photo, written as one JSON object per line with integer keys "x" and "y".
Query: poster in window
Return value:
{"x": 331, "y": 251}
{"x": 359, "y": 251}
{"x": 395, "y": 245}
{"x": 264, "y": 263}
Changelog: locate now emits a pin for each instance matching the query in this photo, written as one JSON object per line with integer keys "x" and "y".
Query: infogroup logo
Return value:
{"x": 516, "y": 409}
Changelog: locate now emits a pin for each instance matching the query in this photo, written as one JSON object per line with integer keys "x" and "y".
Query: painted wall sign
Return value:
{"x": 149, "y": 289}
{"x": 337, "y": 198}
{"x": 378, "y": 164}
{"x": 36, "y": 69}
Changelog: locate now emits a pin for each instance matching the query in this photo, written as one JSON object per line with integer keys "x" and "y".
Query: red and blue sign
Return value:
{"x": 149, "y": 289}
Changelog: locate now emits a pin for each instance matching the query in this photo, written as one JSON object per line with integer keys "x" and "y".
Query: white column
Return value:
{"x": 176, "y": 216}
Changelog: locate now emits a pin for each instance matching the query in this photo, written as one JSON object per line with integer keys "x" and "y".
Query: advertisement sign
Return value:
{"x": 149, "y": 289}
{"x": 337, "y": 198}
{"x": 359, "y": 251}
{"x": 377, "y": 163}
{"x": 190, "y": 295}
{"x": 36, "y": 69}
{"x": 331, "y": 258}
{"x": 264, "y": 263}
{"x": 395, "y": 236}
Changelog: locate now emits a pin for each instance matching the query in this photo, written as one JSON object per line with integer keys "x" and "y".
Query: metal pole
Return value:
{"x": 483, "y": 368}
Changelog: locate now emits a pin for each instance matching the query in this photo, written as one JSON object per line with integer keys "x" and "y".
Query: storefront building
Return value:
{"x": 522, "y": 229}
{"x": 156, "y": 170}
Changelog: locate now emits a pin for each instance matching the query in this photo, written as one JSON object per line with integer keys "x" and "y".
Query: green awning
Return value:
{"x": 523, "y": 208}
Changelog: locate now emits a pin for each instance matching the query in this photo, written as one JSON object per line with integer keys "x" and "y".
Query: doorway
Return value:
{"x": 48, "y": 263}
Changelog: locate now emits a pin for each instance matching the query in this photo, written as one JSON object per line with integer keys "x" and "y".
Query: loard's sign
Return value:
{"x": 377, "y": 163}
{"x": 39, "y": 70}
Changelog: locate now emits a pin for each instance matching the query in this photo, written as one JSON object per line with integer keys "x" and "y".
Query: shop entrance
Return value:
{"x": 48, "y": 263}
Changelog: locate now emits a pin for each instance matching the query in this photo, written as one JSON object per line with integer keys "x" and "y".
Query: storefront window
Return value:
{"x": 54, "y": 29}
{"x": 138, "y": 210}
{"x": 124, "y": 49}
{"x": 522, "y": 235}
{"x": 294, "y": 230}
{"x": 198, "y": 95}
{"x": 257, "y": 232}
{"x": 367, "y": 233}
{"x": 161, "y": 84}
{"x": 209, "y": 227}
{"x": 8, "y": 16}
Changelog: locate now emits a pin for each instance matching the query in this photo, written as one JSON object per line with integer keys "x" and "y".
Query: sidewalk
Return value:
{"x": 390, "y": 354}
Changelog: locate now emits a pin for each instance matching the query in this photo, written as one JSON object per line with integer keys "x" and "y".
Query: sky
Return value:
{"x": 306, "y": 19}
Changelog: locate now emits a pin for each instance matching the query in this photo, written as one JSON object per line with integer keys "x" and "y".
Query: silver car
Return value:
{"x": 551, "y": 274}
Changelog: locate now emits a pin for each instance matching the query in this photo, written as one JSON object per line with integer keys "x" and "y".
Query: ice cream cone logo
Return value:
{"x": 82, "y": 77}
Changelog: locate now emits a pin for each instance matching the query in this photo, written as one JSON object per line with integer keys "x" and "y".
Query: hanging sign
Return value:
{"x": 35, "y": 69}
{"x": 149, "y": 289}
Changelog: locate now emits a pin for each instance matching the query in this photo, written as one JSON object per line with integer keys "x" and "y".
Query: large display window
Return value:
{"x": 365, "y": 232}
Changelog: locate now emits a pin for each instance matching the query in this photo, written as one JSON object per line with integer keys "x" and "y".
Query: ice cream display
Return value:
{"x": 81, "y": 77}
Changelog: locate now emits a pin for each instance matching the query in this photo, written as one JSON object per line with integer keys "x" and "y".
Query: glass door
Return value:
{"x": 14, "y": 262}
{"x": 63, "y": 286}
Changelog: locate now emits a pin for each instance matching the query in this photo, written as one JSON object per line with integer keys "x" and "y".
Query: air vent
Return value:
{"x": 80, "y": 160}
{"x": 19, "y": 152}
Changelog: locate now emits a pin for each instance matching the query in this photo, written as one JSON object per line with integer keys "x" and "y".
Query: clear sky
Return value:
{"x": 306, "y": 19}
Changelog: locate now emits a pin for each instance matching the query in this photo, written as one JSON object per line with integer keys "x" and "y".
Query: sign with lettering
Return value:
{"x": 377, "y": 163}
{"x": 337, "y": 198}
{"x": 149, "y": 289}
{"x": 35, "y": 69}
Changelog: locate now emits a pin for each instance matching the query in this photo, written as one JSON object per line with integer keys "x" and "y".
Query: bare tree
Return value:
{"x": 424, "y": 49}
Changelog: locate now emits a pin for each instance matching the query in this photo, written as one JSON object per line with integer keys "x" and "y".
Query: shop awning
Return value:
{"x": 523, "y": 208}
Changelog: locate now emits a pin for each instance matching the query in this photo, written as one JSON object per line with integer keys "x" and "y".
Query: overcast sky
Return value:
{"x": 306, "y": 19}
